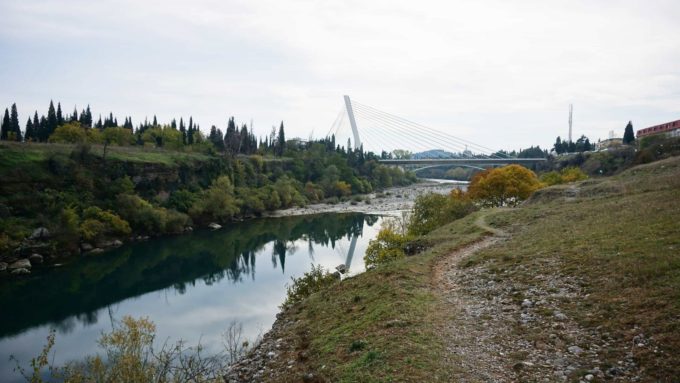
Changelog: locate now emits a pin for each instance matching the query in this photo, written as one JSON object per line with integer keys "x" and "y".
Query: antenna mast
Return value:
{"x": 571, "y": 111}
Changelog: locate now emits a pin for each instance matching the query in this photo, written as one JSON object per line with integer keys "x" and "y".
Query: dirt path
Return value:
{"x": 500, "y": 329}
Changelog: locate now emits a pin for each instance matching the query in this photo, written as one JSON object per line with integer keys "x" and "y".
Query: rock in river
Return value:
{"x": 341, "y": 268}
{"x": 40, "y": 233}
{"x": 20, "y": 271}
{"x": 215, "y": 226}
{"x": 20, "y": 264}
{"x": 35, "y": 259}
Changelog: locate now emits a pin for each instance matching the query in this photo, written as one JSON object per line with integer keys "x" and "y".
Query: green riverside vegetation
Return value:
{"x": 97, "y": 193}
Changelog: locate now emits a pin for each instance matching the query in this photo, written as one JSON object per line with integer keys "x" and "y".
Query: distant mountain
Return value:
{"x": 434, "y": 153}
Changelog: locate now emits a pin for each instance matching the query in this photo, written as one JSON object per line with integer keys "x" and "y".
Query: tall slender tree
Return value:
{"x": 281, "y": 141}
{"x": 183, "y": 131}
{"x": 190, "y": 131}
{"x": 51, "y": 123}
{"x": 628, "y": 134}
{"x": 6, "y": 126}
{"x": 14, "y": 121}
{"x": 60, "y": 116}
{"x": 29, "y": 134}
{"x": 37, "y": 133}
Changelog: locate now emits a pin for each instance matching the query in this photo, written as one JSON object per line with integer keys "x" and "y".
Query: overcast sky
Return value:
{"x": 500, "y": 73}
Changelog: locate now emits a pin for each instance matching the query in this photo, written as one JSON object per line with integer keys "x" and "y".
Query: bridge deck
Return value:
{"x": 471, "y": 161}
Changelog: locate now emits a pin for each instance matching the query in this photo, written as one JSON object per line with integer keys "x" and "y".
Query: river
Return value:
{"x": 190, "y": 286}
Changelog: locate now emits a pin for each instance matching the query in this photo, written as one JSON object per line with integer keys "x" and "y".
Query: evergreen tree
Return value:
{"x": 14, "y": 121}
{"x": 60, "y": 116}
{"x": 29, "y": 135}
{"x": 183, "y": 130}
{"x": 558, "y": 146}
{"x": 244, "y": 144}
{"x": 281, "y": 141}
{"x": 231, "y": 139}
{"x": 99, "y": 124}
{"x": 6, "y": 126}
{"x": 43, "y": 129}
{"x": 74, "y": 116}
{"x": 51, "y": 122}
{"x": 190, "y": 131}
{"x": 628, "y": 134}
{"x": 36, "y": 127}
{"x": 155, "y": 121}
{"x": 173, "y": 124}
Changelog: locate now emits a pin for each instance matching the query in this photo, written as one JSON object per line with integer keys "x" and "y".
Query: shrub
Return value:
{"x": 568, "y": 174}
{"x": 388, "y": 245}
{"x": 100, "y": 223}
{"x": 217, "y": 203}
{"x": 129, "y": 356}
{"x": 310, "y": 282}
{"x": 431, "y": 211}
{"x": 506, "y": 186}
{"x": 73, "y": 133}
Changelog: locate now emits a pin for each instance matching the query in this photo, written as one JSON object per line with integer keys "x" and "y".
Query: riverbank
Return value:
{"x": 581, "y": 283}
{"x": 390, "y": 200}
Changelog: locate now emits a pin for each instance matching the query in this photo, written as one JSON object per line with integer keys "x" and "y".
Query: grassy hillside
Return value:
{"x": 617, "y": 238}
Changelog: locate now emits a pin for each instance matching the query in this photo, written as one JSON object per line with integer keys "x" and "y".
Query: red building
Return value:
{"x": 671, "y": 128}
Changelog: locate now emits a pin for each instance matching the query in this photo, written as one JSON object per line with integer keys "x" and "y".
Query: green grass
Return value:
{"x": 380, "y": 326}
{"x": 19, "y": 154}
{"x": 622, "y": 239}
{"x": 619, "y": 236}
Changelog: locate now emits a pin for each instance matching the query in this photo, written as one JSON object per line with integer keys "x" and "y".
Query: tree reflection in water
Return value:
{"x": 76, "y": 291}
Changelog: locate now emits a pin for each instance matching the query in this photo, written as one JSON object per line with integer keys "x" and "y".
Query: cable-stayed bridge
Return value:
{"x": 385, "y": 133}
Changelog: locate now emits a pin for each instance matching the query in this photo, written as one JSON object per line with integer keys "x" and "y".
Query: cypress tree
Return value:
{"x": 60, "y": 116}
{"x": 190, "y": 131}
{"x": 231, "y": 140}
{"x": 88, "y": 117}
{"x": 29, "y": 135}
{"x": 14, "y": 121}
{"x": 6, "y": 126}
{"x": 52, "y": 122}
{"x": 183, "y": 130}
{"x": 99, "y": 124}
{"x": 281, "y": 141}
{"x": 36, "y": 127}
{"x": 628, "y": 134}
{"x": 74, "y": 116}
{"x": 155, "y": 121}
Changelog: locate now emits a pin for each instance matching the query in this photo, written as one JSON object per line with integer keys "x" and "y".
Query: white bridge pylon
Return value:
{"x": 352, "y": 122}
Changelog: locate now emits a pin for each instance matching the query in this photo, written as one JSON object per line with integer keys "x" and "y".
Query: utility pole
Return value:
{"x": 571, "y": 111}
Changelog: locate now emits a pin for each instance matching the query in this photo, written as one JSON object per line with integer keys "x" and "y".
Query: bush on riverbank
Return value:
{"x": 309, "y": 283}
{"x": 129, "y": 356}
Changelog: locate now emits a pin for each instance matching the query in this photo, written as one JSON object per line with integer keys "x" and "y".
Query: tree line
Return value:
{"x": 77, "y": 127}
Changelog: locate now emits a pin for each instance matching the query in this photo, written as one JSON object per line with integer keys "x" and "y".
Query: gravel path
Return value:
{"x": 501, "y": 329}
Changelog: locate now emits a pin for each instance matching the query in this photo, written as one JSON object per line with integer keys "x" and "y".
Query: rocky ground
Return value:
{"x": 499, "y": 330}
{"x": 390, "y": 200}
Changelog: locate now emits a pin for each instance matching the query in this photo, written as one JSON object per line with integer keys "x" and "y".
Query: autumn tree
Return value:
{"x": 506, "y": 186}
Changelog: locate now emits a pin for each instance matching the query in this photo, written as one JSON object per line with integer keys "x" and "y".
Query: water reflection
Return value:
{"x": 77, "y": 291}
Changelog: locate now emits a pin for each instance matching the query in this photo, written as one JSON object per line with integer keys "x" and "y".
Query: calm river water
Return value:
{"x": 191, "y": 286}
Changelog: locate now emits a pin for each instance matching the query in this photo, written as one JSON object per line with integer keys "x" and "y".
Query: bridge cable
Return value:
{"x": 425, "y": 144}
{"x": 407, "y": 130}
{"x": 442, "y": 135}
{"x": 433, "y": 131}
{"x": 430, "y": 142}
